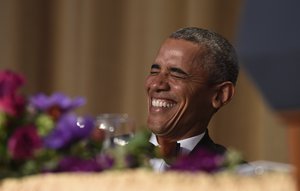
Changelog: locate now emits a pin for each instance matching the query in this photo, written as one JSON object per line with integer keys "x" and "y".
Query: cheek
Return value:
{"x": 183, "y": 92}
{"x": 186, "y": 92}
{"x": 179, "y": 88}
{"x": 148, "y": 83}
{"x": 202, "y": 100}
{"x": 197, "y": 97}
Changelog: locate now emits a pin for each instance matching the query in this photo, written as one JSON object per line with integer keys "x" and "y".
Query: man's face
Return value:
{"x": 179, "y": 99}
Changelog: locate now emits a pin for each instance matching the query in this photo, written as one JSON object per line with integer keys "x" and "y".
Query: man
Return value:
{"x": 193, "y": 76}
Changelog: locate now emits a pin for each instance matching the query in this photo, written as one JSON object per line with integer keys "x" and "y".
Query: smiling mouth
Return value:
{"x": 162, "y": 103}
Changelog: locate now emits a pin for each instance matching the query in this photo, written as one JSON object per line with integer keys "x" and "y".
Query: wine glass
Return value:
{"x": 119, "y": 129}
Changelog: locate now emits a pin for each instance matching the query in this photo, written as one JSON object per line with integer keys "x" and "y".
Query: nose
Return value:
{"x": 160, "y": 83}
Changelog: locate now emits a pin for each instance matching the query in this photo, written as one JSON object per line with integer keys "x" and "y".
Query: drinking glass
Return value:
{"x": 119, "y": 129}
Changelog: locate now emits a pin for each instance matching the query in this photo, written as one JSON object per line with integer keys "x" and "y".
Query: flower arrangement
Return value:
{"x": 42, "y": 133}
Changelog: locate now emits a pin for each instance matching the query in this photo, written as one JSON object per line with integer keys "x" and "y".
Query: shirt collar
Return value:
{"x": 186, "y": 145}
{"x": 153, "y": 140}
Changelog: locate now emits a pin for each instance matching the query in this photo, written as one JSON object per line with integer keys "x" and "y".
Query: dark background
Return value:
{"x": 269, "y": 48}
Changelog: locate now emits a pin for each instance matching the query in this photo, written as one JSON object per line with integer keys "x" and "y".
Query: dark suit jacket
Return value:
{"x": 207, "y": 143}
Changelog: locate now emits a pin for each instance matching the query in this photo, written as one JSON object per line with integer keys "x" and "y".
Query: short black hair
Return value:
{"x": 221, "y": 61}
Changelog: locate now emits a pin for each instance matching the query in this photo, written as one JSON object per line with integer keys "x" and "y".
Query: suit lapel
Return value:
{"x": 207, "y": 143}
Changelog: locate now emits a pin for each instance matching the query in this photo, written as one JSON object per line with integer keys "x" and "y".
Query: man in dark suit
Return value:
{"x": 193, "y": 76}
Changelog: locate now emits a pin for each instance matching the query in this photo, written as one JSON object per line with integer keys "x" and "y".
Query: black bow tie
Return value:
{"x": 177, "y": 148}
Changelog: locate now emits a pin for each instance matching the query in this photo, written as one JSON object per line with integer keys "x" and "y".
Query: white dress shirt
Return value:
{"x": 186, "y": 146}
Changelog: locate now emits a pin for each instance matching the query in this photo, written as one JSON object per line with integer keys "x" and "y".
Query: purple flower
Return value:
{"x": 24, "y": 142}
{"x": 105, "y": 161}
{"x": 67, "y": 130}
{"x": 56, "y": 104}
{"x": 10, "y": 102}
{"x": 202, "y": 160}
{"x": 73, "y": 164}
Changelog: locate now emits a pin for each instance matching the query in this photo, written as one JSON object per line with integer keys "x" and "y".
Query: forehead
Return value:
{"x": 180, "y": 53}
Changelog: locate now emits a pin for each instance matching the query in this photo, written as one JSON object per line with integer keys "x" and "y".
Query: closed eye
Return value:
{"x": 177, "y": 72}
{"x": 155, "y": 68}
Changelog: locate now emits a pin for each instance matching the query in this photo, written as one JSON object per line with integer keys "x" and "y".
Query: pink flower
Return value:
{"x": 12, "y": 105}
{"x": 10, "y": 82}
{"x": 10, "y": 102}
{"x": 24, "y": 142}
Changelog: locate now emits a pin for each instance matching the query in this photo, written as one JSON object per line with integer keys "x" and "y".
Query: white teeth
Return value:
{"x": 161, "y": 103}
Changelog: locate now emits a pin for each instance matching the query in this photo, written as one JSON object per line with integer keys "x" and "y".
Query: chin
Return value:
{"x": 160, "y": 129}
{"x": 155, "y": 128}
{"x": 163, "y": 121}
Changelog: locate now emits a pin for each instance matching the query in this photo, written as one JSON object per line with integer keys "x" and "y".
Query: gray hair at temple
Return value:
{"x": 221, "y": 61}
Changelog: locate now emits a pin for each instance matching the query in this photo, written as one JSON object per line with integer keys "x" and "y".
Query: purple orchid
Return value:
{"x": 56, "y": 104}
{"x": 202, "y": 160}
{"x": 24, "y": 142}
{"x": 69, "y": 128}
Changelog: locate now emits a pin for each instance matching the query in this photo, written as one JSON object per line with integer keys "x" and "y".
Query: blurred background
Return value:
{"x": 102, "y": 50}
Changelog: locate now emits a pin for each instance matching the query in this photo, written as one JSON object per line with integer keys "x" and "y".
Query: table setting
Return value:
{"x": 46, "y": 145}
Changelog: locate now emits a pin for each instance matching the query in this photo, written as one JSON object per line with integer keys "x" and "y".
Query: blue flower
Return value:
{"x": 56, "y": 105}
{"x": 68, "y": 130}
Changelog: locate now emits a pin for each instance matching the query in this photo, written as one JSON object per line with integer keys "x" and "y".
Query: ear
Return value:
{"x": 223, "y": 94}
